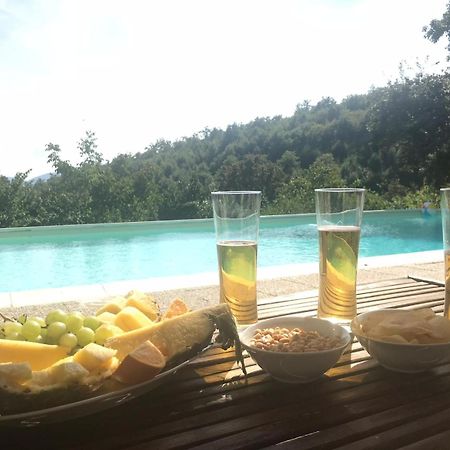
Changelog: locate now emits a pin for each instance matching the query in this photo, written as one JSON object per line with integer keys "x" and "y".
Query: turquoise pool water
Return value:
{"x": 44, "y": 257}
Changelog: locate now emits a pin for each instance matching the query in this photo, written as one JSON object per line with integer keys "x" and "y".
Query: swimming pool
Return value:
{"x": 46, "y": 257}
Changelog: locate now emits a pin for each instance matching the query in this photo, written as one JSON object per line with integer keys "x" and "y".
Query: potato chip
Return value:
{"x": 396, "y": 339}
{"x": 403, "y": 326}
{"x": 424, "y": 313}
{"x": 371, "y": 321}
{"x": 440, "y": 328}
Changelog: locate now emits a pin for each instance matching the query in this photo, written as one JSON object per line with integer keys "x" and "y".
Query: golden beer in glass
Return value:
{"x": 237, "y": 272}
{"x": 236, "y": 220}
{"x": 339, "y": 216}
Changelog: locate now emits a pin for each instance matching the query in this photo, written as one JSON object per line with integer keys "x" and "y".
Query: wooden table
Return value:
{"x": 207, "y": 405}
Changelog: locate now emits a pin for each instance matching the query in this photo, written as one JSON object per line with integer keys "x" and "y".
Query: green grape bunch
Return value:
{"x": 72, "y": 330}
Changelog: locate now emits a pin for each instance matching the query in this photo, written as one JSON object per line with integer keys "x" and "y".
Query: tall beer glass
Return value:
{"x": 339, "y": 215}
{"x": 236, "y": 221}
{"x": 445, "y": 213}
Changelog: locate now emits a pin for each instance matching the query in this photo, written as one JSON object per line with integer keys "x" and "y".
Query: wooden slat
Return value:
{"x": 424, "y": 426}
{"x": 436, "y": 442}
{"x": 426, "y": 280}
{"x": 370, "y": 298}
{"x": 355, "y": 430}
{"x": 343, "y": 434}
{"x": 277, "y": 424}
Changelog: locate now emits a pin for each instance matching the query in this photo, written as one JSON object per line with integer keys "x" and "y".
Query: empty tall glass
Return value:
{"x": 236, "y": 220}
{"x": 445, "y": 213}
{"x": 339, "y": 215}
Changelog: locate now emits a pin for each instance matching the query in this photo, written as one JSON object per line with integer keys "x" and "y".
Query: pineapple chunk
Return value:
{"x": 145, "y": 303}
{"x": 15, "y": 372}
{"x": 106, "y": 317}
{"x": 63, "y": 373}
{"x": 67, "y": 372}
{"x": 114, "y": 306}
{"x": 105, "y": 331}
{"x": 94, "y": 357}
{"x": 131, "y": 318}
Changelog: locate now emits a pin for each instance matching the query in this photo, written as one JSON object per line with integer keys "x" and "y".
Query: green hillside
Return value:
{"x": 394, "y": 141}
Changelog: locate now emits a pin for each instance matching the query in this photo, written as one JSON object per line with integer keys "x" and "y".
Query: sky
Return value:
{"x": 136, "y": 71}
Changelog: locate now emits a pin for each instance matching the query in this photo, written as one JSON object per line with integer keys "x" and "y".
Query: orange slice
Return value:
{"x": 142, "y": 364}
{"x": 176, "y": 308}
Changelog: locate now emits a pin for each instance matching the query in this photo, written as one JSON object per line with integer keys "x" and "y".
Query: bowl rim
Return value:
{"x": 393, "y": 344}
{"x": 347, "y": 337}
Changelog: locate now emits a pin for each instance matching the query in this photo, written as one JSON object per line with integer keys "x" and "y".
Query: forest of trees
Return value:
{"x": 394, "y": 141}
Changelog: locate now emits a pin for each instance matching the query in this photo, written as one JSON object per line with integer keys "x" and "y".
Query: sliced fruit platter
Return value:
{"x": 126, "y": 347}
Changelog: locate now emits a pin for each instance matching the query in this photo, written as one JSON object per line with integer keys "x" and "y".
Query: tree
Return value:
{"x": 438, "y": 28}
{"x": 297, "y": 196}
{"x": 54, "y": 158}
{"x": 289, "y": 163}
{"x": 252, "y": 172}
{"x": 87, "y": 147}
{"x": 13, "y": 200}
{"x": 409, "y": 129}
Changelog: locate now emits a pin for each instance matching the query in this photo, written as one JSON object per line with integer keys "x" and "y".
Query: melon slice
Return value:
{"x": 39, "y": 356}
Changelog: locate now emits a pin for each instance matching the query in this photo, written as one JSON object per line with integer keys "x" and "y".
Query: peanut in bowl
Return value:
{"x": 295, "y": 349}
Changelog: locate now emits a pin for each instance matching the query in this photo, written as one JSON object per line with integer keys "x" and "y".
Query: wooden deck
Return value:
{"x": 207, "y": 405}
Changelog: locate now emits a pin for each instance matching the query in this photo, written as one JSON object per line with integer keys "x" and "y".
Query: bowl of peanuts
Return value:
{"x": 295, "y": 349}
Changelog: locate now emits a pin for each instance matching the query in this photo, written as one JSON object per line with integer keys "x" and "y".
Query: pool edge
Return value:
{"x": 94, "y": 292}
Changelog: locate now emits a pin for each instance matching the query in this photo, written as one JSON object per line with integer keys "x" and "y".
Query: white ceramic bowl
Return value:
{"x": 406, "y": 358}
{"x": 296, "y": 367}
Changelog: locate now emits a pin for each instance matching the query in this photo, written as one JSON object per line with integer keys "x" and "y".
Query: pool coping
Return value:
{"x": 95, "y": 292}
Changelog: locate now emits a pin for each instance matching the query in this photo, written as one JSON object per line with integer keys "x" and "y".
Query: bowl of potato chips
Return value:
{"x": 407, "y": 341}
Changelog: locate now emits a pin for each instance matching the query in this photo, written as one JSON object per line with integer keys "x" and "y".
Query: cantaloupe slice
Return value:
{"x": 39, "y": 356}
{"x": 142, "y": 364}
